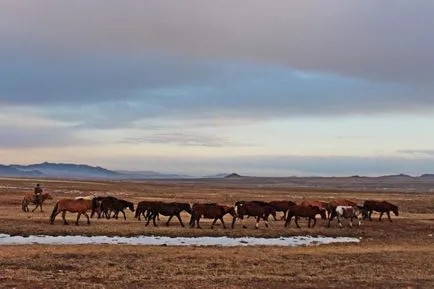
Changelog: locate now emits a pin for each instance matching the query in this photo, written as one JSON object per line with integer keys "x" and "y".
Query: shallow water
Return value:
{"x": 173, "y": 241}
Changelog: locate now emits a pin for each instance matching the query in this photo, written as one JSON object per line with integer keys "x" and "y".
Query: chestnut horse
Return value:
{"x": 303, "y": 211}
{"x": 167, "y": 209}
{"x": 31, "y": 198}
{"x": 210, "y": 211}
{"x": 79, "y": 206}
{"x": 257, "y": 209}
{"x": 381, "y": 207}
{"x": 320, "y": 204}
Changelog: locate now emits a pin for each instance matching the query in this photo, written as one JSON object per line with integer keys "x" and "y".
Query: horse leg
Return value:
{"x": 351, "y": 222}
{"x": 213, "y": 223}
{"x": 296, "y": 222}
{"x": 124, "y": 214}
{"x": 180, "y": 220}
{"x": 381, "y": 215}
{"x": 339, "y": 221}
{"x": 148, "y": 220}
{"x": 369, "y": 215}
{"x": 223, "y": 222}
{"x": 388, "y": 216}
{"x": 40, "y": 206}
{"x": 266, "y": 220}
{"x": 63, "y": 217}
{"x": 242, "y": 223}
{"x": 168, "y": 221}
{"x": 257, "y": 222}
{"x": 332, "y": 215}
{"x": 37, "y": 205}
{"x": 78, "y": 218}
{"x": 288, "y": 220}
{"x": 153, "y": 219}
{"x": 88, "y": 219}
{"x": 314, "y": 221}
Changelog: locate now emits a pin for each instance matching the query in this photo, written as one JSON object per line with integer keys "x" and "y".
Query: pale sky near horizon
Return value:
{"x": 202, "y": 87}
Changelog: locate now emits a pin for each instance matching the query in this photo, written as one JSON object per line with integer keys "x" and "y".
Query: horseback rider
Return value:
{"x": 38, "y": 194}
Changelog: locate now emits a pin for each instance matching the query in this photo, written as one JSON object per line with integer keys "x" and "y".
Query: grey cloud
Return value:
{"x": 427, "y": 152}
{"x": 185, "y": 139}
{"x": 387, "y": 40}
{"x": 20, "y": 138}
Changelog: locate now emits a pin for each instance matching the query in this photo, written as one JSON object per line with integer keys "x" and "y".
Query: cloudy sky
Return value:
{"x": 200, "y": 87}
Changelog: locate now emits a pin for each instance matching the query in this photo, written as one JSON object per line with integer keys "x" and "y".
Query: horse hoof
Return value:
{"x": 244, "y": 227}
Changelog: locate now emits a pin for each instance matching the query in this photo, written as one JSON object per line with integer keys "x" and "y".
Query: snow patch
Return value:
{"x": 173, "y": 241}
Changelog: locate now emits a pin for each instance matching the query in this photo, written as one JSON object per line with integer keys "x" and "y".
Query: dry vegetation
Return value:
{"x": 390, "y": 255}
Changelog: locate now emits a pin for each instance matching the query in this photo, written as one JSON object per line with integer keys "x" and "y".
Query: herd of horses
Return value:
{"x": 110, "y": 207}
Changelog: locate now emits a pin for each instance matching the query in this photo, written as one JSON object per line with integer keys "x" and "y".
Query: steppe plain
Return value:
{"x": 390, "y": 255}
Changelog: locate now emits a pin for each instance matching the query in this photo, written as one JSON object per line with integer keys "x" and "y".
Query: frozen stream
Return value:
{"x": 173, "y": 241}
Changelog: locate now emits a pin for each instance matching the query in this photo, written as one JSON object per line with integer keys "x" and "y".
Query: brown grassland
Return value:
{"x": 390, "y": 255}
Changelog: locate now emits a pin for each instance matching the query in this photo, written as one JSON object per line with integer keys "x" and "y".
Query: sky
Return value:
{"x": 265, "y": 88}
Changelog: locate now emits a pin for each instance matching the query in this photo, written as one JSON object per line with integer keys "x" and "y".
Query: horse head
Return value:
{"x": 187, "y": 208}
{"x": 130, "y": 206}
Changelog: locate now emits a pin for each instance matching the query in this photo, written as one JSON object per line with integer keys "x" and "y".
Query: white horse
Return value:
{"x": 348, "y": 212}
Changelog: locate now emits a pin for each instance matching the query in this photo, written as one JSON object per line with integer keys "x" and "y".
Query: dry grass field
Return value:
{"x": 390, "y": 255}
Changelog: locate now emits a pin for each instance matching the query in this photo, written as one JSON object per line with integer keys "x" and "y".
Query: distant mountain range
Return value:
{"x": 78, "y": 171}
{"x": 81, "y": 171}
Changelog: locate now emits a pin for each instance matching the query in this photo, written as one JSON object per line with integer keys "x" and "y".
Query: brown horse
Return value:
{"x": 315, "y": 203}
{"x": 80, "y": 206}
{"x": 167, "y": 209}
{"x": 332, "y": 205}
{"x": 210, "y": 211}
{"x": 381, "y": 207}
{"x": 255, "y": 208}
{"x": 31, "y": 198}
{"x": 303, "y": 211}
{"x": 142, "y": 208}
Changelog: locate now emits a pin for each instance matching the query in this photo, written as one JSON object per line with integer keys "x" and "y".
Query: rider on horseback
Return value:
{"x": 38, "y": 194}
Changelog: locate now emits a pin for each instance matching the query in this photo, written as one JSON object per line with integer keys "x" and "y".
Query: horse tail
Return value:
{"x": 94, "y": 206}
{"x": 53, "y": 214}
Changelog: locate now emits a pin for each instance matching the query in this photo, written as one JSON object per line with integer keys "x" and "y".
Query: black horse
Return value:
{"x": 115, "y": 205}
{"x": 167, "y": 209}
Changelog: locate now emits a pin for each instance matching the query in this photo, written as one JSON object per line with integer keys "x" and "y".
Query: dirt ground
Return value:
{"x": 390, "y": 255}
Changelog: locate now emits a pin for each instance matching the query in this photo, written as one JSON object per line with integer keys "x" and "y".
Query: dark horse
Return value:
{"x": 115, "y": 205}
{"x": 142, "y": 208}
{"x": 281, "y": 206}
{"x": 80, "y": 206}
{"x": 256, "y": 208}
{"x": 97, "y": 208}
{"x": 304, "y": 211}
{"x": 381, "y": 207}
{"x": 210, "y": 211}
{"x": 167, "y": 209}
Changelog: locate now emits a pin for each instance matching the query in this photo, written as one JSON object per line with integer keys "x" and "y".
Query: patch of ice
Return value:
{"x": 173, "y": 241}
